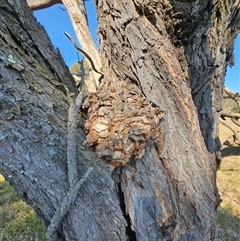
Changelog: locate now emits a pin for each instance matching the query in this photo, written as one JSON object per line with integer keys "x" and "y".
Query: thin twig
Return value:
{"x": 85, "y": 54}
{"x": 71, "y": 142}
{"x": 65, "y": 205}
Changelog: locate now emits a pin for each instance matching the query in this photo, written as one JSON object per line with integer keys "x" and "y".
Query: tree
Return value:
{"x": 150, "y": 132}
{"x": 233, "y": 114}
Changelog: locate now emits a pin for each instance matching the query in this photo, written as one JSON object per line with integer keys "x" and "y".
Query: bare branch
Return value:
{"x": 77, "y": 15}
{"x": 65, "y": 205}
{"x": 41, "y": 4}
{"x": 88, "y": 57}
{"x": 236, "y": 122}
{"x": 232, "y": 95}
{"x": 71, "y": 137}
{"x": 71, "y": 140}
{"x": 236, "y": 134}
{"x": 231, "y": 115}
{"x": 72, "y": 168}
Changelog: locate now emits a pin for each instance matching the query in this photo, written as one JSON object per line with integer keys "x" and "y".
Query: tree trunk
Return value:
{"x": 153, "y": 123}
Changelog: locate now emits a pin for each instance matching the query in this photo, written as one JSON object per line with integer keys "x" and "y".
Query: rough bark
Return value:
{"x": 163, "y": 77}
{"x": 33, "y": 144}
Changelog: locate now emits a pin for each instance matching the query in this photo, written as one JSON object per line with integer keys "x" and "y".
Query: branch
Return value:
{"x": 65, "y": 205}
{"x": 72, "y": 168}
{"x": 77, "y": 15}
{"x": 35, "y": 5}
{"x": 236, "y": 122}
{"x": 71, "y": 137}
{"x": 236, "y": 134}
{"x": 231, "y": 115}
{"x": 232, "y": 95}
{"x": 87, "y": 56}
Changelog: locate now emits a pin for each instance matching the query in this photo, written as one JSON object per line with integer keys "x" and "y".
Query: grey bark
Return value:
{"x": 167, "y": 50}
{"x": 33, "y": 144}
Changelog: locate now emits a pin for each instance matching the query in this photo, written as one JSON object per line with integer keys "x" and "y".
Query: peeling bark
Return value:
{"x": 162, "y": 90}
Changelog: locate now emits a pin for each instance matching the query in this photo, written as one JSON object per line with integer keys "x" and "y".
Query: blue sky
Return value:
{"x": 56, "y": 21}
{"x": 232, "y": 79}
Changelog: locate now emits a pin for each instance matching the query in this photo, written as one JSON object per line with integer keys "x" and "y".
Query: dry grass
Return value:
{"x": 228, "y": 180}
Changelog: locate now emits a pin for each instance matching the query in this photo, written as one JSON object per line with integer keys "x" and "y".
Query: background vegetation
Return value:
{"x": 17, "y": 220}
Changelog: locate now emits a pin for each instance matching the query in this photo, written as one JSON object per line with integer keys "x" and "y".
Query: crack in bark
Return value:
{"x": 131, "y": 235}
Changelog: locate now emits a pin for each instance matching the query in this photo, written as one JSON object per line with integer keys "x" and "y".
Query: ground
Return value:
{"x": 19, "y": 222}
{"x": 228, "y": 181}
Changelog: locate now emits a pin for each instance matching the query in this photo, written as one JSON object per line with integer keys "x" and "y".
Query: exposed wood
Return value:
{"x": 35, "y": 5}
{"x": 77, "y": 15}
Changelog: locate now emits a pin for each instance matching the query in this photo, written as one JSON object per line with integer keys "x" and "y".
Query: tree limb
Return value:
{"x": 231, "y": 115}
{"x": 72, "y": 167}
{"x": 88, "y": 57}
{"x": 35, "y": 5}
{"x": 71, "y": 140}
{"x": 77, "y": 15}
{"x": 236, "y": 134}
{"x": 232, "y": 95}
{"x": 75, "y": 104}
{"x": 65, "y": 205}
{"x": 236, "y": 122}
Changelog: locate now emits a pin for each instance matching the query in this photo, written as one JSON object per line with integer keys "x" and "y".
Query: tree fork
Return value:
{"x": 168, "y": 193}
{"x": 77, "y": 14}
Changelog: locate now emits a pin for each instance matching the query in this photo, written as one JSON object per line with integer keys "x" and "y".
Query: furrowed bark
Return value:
{"x": 149, "y": 183}
{"x": 64, "y": 207}
{"x": 149, "y": 121}
{"x": 169, "y": 59}
{"x": 33, "y": 158}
